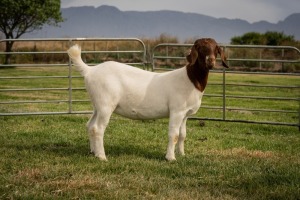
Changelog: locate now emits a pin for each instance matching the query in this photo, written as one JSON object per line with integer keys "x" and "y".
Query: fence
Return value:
{"x": 54, "y": 83}
{"x": 163, "y": 57}
{"x": 52, "y": 86}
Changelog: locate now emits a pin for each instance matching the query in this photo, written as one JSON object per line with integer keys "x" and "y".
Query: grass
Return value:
{"x": 46, "y": 157}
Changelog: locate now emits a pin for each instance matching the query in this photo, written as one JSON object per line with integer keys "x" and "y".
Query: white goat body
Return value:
{"x": 138, "y": 94}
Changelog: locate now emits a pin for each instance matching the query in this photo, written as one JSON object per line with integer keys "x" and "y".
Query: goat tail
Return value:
{"x": 74, "y": 53}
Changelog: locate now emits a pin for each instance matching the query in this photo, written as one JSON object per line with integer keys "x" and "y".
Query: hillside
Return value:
{"x": 108, "y": 21}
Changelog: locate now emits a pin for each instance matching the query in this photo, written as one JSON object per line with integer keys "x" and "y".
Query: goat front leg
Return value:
{"x": 182, "y": 136}
{"x": 174, "y": 126}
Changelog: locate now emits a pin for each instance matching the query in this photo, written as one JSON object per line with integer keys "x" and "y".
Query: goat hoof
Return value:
{"x": 170, "y": 158}
{"x": 103, "y": 158}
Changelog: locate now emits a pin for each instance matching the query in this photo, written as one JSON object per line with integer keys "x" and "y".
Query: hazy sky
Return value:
{"x": 250, "y": 10}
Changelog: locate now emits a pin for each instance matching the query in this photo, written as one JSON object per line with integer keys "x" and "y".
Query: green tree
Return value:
{"x": 23, "y": 16}
{"x": 276, "y": 38}
{"x": 252, "y": 38}
{"x": 268, "y": 38}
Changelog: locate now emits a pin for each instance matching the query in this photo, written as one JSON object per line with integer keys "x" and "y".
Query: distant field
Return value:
{"x": 47, "y": 157}
{"x": 103, "y": 50}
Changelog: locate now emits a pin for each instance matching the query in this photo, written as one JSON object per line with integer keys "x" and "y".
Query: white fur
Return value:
{"x": 137, "y": 94}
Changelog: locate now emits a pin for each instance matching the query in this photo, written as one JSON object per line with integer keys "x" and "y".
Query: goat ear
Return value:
{"x": 223, "y": 57}
{"x": 192, "y": 57}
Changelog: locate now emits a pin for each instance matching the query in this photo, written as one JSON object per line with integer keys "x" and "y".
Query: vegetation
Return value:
{"x": 238, "y": 54}
{"x": 268, "y": 38}
{"x": 19, "y": 17}
{"x": 47, "y": 157}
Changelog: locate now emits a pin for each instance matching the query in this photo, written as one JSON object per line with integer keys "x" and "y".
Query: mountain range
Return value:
{"x": 108, "y": 21}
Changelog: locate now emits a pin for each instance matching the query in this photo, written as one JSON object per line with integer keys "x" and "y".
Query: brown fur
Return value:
{"x": 202, "y": 53}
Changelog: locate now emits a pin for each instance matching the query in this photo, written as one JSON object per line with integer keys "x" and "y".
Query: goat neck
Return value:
{"x": 198, "y": 75}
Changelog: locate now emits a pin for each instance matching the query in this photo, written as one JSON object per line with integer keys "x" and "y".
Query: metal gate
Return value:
{"x": 39, "y": 79}
{"x": 169, "y": 56}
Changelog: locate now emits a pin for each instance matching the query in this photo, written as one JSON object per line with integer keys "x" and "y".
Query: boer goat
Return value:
{"x": 139, "y": 94}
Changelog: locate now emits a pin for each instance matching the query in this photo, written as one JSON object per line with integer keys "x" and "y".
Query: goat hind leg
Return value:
{"x": 96, "y": 131}
{"x": 91, "y": 130}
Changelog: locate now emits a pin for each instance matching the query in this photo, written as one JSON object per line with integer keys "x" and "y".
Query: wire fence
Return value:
{"x": 39, "y": 79}
{"x": 262, "y": 61}
{"x": 40, "y": 73}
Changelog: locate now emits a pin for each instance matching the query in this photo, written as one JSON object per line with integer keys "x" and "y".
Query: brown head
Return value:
{"x": 204, "y": 52}
{"x": 201, "y": 59}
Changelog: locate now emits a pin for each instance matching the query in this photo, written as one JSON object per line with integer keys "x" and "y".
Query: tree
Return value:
{"x": 252, "y": 38}
{"x": 276, "y": 38}
{"x": 23, "y": 16}
{"x": 268, "y": 38}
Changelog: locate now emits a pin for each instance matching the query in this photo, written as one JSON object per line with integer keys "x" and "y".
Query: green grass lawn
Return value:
{"x": 47, "y": 157}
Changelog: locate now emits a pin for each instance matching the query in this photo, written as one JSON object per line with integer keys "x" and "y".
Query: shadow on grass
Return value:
{"x": 118, "y": 150}
{"x": 66, "y": 149}
{"x": 61, "y": 149}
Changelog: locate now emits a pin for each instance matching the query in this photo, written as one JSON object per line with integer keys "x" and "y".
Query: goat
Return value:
{"x": 138, "y": 94}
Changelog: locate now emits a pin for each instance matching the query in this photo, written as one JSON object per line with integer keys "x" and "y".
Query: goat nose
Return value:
{"x": 210, "y": 59}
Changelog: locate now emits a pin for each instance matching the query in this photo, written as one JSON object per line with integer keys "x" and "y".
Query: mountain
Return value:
{"x": 108, "y": 21}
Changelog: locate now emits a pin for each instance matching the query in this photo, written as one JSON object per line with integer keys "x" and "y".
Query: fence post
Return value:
{"x": 299, "y": 114}
{"x": 70, "y": 81}
{"x": 260, "y": 56}
{"x": 282, "y": 57}
{"x": 224, "y": 90}
{"x": 167, "y": 53}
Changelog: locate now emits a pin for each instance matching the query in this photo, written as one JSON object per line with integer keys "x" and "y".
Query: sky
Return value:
{"x": 249, "y": 10}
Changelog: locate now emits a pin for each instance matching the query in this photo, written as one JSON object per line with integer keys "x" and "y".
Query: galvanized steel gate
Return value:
{"x": 163, "y": 57}
{"x": 58, "y": 46}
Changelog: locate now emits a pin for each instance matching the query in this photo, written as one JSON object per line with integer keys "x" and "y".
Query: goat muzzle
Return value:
{"x": 210, "y": 61}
